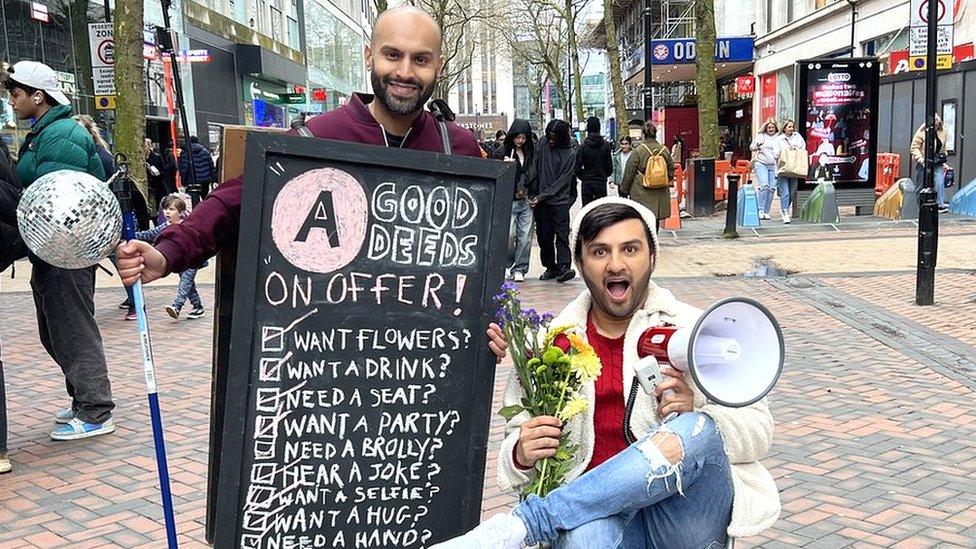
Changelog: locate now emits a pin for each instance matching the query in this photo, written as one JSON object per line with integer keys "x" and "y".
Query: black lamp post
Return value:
{"x": 853, "y": 4}
{"x": 648, "y": 93}
{"x": 928, "y": 216}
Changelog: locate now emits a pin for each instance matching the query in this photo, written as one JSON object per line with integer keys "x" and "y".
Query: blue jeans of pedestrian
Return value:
{"x": 940, "y": 171}
{"x": 188, "y": 290}
{"x": 784, "y": 186}
{"x": 521, "y": 227}
{"x": 638, "y": 499}
{"x": 765, "y": 179}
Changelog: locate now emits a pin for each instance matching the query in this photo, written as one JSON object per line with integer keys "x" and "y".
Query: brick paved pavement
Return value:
{"x": 873, "y": 448}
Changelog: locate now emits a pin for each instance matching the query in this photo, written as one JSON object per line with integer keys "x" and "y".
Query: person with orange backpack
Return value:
{"x": 648, "y": 175}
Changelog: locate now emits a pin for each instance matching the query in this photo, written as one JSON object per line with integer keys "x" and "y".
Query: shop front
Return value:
{"x": 735, "y": 115}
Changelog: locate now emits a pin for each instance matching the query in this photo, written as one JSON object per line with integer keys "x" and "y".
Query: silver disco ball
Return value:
{"x": 69, "y": 219}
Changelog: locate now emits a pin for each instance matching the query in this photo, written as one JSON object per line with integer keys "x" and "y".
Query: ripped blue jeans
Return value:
{"x": 638, "y": 499}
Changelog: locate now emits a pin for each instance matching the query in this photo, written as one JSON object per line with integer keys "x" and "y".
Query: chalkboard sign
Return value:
{"x": 360, "y": 383}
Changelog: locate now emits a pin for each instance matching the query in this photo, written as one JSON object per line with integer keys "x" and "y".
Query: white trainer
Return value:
{"x": 786, "y": 218}
{"x": 519, "y": 276}
{"x": 499, "y": 532}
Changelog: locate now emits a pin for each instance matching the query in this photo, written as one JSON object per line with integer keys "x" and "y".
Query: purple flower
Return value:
{"x": 509, "y": 287}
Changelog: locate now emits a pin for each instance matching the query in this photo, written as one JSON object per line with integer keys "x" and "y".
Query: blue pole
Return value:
{"x": 149, "y": 368}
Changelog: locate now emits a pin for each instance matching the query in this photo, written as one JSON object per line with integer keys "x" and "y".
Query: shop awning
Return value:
{"x": 686, "y": 73}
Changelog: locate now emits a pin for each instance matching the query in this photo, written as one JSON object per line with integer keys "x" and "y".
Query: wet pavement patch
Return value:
{"x": 764, "y": 267}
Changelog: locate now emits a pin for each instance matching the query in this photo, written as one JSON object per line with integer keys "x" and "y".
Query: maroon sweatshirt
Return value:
{"x": 215, "y": 221}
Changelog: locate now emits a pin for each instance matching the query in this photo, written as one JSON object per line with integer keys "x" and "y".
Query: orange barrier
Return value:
{"x": 722, "y": 169}
{"x": 679, "y": 182}
{"x": 673, "y": 223}
{"x": 745, "y": 172}
{"x": 888, "y": 168}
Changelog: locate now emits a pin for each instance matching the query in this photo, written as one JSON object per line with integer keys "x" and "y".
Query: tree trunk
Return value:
{"x": 574, "y": 53}
{"x": 130, "y": 86}
{"x": 380, "y": 6}
{"x": 705, "y": 79}
{"x": 82, "y": 52}
{"x": 616, "y": 75}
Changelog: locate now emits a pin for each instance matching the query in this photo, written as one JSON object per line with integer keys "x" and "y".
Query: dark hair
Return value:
{"x": 604, "y": 216}
{"x": 650, "y": 130}
{"x": 10, "y": 85}
{"x": 174, "y": 201}
{"x": 627, "y": 139}
{"x": 499, "y": 133}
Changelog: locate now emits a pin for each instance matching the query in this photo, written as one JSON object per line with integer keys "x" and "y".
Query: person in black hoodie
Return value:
{"x": 594, "y": 163}
{"x": 12, "y": 248}
{"x": 552, "y": 191}
{"x": 518, "y": 148}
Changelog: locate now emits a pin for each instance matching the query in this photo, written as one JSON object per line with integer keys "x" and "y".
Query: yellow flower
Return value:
{"x": 585, "y": 364}
{"x": 576, "y": 405}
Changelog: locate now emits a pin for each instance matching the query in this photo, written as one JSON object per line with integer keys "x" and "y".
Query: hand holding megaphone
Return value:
{"x": 734, "y": 352}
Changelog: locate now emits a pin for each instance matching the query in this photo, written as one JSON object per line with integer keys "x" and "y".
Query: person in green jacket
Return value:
{"x": 658, "y": 199}
{"x": 64, "y": 299}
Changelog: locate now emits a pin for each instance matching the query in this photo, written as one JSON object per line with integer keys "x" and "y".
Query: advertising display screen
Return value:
{"x": 838, "y": 119}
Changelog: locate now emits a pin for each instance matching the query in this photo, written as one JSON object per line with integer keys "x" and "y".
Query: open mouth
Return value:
{"x": 618, "y": 289}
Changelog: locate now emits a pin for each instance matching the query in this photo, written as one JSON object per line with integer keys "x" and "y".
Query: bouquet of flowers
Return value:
{"x": 552, "y": 365}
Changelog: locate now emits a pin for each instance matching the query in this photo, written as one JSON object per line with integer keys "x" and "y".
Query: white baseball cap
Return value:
{"x": 40, "y": 76}
{"x": 646, "y": 215}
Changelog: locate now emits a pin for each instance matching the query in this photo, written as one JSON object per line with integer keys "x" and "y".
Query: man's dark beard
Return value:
{"x": 397, "y": 106}
{"x": 639, "y": 286}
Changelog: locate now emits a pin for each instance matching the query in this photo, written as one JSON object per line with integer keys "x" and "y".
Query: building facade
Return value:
{"x": 483, "y": 95}
{"x": 792, "y": 30}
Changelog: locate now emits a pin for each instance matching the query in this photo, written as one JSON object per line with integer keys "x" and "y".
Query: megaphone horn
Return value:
{"x": 734, "y": 352}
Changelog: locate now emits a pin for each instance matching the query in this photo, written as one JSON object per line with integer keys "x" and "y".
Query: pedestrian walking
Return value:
{"x": 763, "y": 149}
{"x": 678, "y": 150}
{"x": 519, "y": 148}
{"x": 786, "y": 184}
{"x": 594, "y": 163}
{"x": 64, "y": 298}
{"x": 12, "y": 248}
{"x": 620, "y": 159}
{"x": 101, "y": 146}
{"x": 941, "y": 158}
{"x": 638, "y": 182}
{"x": 158, "y": 183}
{"x": 196, "y": 157}
{"x": 175, "y": 210}
{"x": 552, "y": 193}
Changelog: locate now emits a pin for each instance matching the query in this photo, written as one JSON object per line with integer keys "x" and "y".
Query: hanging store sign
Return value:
{"x": 680, "y": 51}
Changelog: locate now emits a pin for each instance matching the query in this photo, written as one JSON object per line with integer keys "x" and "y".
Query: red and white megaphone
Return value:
{"x": 734, "y": 352}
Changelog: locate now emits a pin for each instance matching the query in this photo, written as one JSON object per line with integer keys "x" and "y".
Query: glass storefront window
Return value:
{"x": 334, "y": 51}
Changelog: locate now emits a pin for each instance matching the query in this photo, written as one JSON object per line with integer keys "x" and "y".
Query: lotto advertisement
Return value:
{"x": 838, "y": 111}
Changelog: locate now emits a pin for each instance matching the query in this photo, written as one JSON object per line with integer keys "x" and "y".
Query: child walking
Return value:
{"x": 175, "y": 210}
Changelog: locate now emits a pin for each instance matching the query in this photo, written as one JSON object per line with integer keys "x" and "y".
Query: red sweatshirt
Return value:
{"x": 214, "y": 222}
{"x": 608, "y": 416}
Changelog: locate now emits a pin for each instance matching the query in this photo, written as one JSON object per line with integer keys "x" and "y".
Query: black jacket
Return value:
{"x": 593, "y": 159}
{"x": 203, "y": 165}
{"x": 12, "y": 246}
{"x": 554, "y": 178}
{"x": 524, "y": 168}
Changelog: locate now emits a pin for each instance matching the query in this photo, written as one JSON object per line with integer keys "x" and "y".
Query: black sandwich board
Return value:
{"x": 359, "y": 385}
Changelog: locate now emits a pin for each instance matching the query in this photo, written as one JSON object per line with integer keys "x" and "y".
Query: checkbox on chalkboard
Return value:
{"x": 264, "y": 449}
{"x": 270, "y": 369}
{"x": 250, "y": 541}
{"x": 267, "y": 400}
{"x": 260, "y": 496}
{"x": 266, "y": 427}
{"x": 272, "y": 339}
{"x": 256, "y": 520}
{"x": 263, "y": 473}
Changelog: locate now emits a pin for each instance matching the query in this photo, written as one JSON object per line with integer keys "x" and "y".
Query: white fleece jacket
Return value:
{"x": 746, "y": 432}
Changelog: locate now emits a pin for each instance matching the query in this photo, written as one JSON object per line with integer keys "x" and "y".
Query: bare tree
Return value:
{"x": 616, "y": 74}
{"x": 535, "y": 36}
{"x": 130, "y": 108}
{"x": 458, "y": 21}
{"x": 705, "y": 78}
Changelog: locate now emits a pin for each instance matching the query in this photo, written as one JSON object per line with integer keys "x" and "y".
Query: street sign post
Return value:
{"x": 102, "y": 40}
{"x": 918, "y": 33}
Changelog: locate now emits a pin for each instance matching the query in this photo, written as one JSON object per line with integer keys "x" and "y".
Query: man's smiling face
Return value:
{"x": 616, "y": 266}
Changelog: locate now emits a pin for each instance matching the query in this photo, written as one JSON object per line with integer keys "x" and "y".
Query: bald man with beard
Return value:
{"x": 404, "y": 59}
